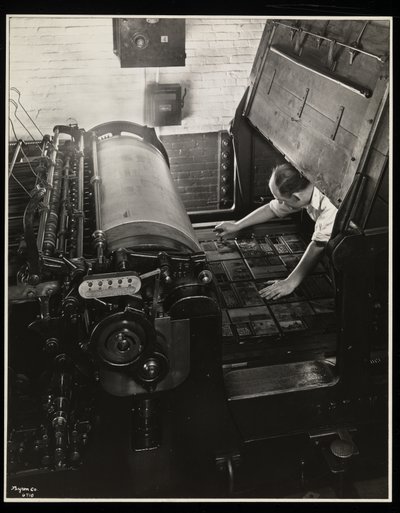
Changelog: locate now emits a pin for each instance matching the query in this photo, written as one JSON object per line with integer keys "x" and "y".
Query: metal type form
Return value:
{"x": 290, "y": 261}
{"x": 279, "y": 244}
{"x": 250, "y": 248}
{"x": 243, "y": 330}
{"x": 227, "y": 331}
{"x": 219, "y": 272}
{"x": 248, "y": 293}
{"x": 215, "y": 250}
{"x": 294, "y": 243}
{"x": 261, "y": 268}
{"x": 229, "y": 296}
{"x": 237, "y": 270}
{"x": 292, "y": 316}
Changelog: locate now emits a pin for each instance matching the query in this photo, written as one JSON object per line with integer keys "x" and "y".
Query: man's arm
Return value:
{"x": 260, "y": 215}
{"x": 285, "y": 287}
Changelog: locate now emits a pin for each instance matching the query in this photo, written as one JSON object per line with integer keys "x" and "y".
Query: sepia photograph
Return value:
{"x": 198, "y": 250}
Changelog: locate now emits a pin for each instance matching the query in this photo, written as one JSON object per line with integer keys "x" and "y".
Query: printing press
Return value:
{"x": 142, "y": 360}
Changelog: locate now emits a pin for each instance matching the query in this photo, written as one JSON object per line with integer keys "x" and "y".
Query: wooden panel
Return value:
{"x": 310, "y": 117}
{"x": 324, "y": 96}
{"x": 305, "y": 148}
{"x": 298, "y": 108}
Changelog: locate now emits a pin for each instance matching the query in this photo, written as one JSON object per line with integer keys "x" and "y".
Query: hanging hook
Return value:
{"x": 322, "y": 34}
{"x": 331, "y": 55}
{"x": 357, "y": 44}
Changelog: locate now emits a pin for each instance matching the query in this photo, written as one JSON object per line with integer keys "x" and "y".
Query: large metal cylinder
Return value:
{"x": 140, "y": 206}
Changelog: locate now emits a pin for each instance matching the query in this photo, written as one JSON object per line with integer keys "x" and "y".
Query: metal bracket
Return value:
{"x": 331, "y": 55}
{"x": 228, "y": 463}
{"x": 294, "y": 29}
{"x": 337, "y": 122}
{"x": 304, "y": 99}
{"x": 272, "y": 80}
{"x": 356, "y": 44}
{"x": 300, "y": 40}
{"x": 318, "y": 40}
{"x": 26, "y": 292}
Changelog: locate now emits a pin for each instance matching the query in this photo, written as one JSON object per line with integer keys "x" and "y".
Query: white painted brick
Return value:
{"x": 243, "y": 43}
{"x": 57, "y": 21}
{"x": 241, "y": 58}
{"x": 249, "y": 35}
{"x": 198, "y": 44}
{"x": 226, "y": 44}
{"x": 67, "y": 69}
{"x": 227, "y": 36}
{"x": 223, "y": 20}
{"x": 247, "y": 26}
{"x": 228, "y": 27}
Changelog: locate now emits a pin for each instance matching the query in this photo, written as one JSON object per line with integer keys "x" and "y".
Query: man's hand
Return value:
{"x": 277, "y": 289}
{"x": 226, "y": 228}
{"x": 285, "y": 287}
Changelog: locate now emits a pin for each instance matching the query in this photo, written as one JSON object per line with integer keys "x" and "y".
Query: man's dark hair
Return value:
{"x": 288, "y": 180}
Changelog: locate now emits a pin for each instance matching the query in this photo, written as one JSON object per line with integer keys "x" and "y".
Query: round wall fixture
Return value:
{"x": 140, "y": 40}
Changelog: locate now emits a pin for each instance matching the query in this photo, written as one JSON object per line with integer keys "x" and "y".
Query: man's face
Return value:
{"x": 294, "y": 200}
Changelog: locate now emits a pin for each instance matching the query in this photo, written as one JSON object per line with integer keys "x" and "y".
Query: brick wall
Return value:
{"x": 194, "y": 166}
{"x": 65, "y": 69}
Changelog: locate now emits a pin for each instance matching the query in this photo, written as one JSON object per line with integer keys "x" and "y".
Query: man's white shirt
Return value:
{"x": 320, "y": 209}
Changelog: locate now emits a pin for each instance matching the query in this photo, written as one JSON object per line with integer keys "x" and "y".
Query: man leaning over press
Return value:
{"x": 292, "y": 192}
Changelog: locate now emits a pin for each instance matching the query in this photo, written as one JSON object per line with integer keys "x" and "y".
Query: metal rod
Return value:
{"x": 63, "y": 214}
{"x": 330, "y": 40}
{"x": 28, "y": 222}
{"x": 15, "y": 156}
{"x": 96, "y": 180}
{"x": 50, "y": 174}
{"x": 366, "y": 93}
{"x": 98, "y": 235}
{"x": 81, "y": 191}
{"x": 52, "y": 223}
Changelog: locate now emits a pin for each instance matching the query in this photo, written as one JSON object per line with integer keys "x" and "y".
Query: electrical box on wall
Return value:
{"x": 163, "y": 105}
{"x": 149, "y": 42}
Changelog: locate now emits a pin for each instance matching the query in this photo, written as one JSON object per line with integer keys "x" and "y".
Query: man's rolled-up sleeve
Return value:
{"x": 324, "y": 222}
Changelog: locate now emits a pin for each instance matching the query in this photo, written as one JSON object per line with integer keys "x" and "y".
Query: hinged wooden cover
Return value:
{"x": 317, "y": 99}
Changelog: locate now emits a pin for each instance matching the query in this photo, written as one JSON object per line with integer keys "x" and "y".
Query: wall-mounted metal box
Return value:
{"x": 149, "y": 42}
{"x": 163, "y": 105}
